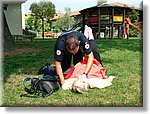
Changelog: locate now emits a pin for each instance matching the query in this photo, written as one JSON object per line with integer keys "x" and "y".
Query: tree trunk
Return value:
{"x": 43, "y": 28}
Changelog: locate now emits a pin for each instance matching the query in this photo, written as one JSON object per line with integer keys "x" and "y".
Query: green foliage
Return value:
{"x": 65, "y": 22}
{"x": 133, "y": 32}
{"x": 47, "y": 27}
{"x": 122, "y": 58}
{"x": 104, "y": 17}
{"x": 134, "y": 16}
{"x": 100, "y": 2}
{"x": 43, "y": 9}
{"x": 32, "y": 23}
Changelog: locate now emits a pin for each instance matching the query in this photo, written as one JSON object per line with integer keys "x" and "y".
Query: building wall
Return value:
{"x": 14, "y": 18}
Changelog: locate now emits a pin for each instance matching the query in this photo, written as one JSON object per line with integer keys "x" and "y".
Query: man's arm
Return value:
{"x": 59, "y": 72}
{"x": 89, "y": 63}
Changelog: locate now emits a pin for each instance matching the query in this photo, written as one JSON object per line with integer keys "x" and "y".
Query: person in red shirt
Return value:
{"x": 126, "y": 29}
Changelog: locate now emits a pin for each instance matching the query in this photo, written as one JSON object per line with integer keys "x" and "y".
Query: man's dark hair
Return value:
{"x": 71, "y": 42}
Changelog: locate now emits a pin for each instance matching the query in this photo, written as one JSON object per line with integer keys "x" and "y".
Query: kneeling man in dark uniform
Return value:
{"x": 71, "y": 44}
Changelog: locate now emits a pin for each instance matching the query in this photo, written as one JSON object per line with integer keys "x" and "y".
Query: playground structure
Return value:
{"x": 107, "y": 20}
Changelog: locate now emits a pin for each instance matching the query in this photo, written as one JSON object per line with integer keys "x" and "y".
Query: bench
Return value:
{"x": 23, "y": 37}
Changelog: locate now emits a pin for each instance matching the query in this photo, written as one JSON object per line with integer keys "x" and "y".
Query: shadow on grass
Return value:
{"x": 28, "y": 63}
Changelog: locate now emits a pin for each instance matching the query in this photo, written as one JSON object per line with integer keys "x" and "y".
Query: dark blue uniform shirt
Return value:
{"x": 60, "y": 49}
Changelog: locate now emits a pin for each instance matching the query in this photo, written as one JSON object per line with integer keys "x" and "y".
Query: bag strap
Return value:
{"x": 48, "y": 79}
{"x": 25, "y": 85}
{"x": 32, "y": 89}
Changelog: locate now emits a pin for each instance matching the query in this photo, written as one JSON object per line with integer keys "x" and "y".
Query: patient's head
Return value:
{"x": 80, "y": 86}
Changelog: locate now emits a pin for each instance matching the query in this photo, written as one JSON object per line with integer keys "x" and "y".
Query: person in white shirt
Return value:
{"x": 89, "y": 35}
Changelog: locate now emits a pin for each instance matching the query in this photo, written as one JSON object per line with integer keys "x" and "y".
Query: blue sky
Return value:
{"x": 77, "y": 4}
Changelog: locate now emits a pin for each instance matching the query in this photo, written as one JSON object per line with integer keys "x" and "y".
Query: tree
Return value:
{"x": 100, "y": 2}
{"x": 65, "y": 22}
{"x": 134, "y": 16}
{"x": 44, "y": 10}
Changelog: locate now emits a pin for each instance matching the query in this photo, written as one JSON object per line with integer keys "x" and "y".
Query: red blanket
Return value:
{"x": 96, "y": 71}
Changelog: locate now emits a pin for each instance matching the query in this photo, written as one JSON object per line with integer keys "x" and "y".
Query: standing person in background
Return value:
{"x": 126, "y": 29}
{"x": 89, "y": 35}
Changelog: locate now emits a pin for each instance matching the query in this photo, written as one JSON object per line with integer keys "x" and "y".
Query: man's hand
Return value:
{"x": 83, "y": 76}
{"x": 62, "y": 82}
{"x": 59, "y": 72}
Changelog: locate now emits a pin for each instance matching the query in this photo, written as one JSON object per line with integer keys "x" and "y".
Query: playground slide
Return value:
{"x": 131, "y": 24}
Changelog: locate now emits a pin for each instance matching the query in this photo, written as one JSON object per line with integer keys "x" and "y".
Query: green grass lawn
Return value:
{"x": 121, "y": 57}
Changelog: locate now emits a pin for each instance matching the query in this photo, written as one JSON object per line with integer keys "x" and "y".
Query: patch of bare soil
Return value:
{"x": 20, "y": 50}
